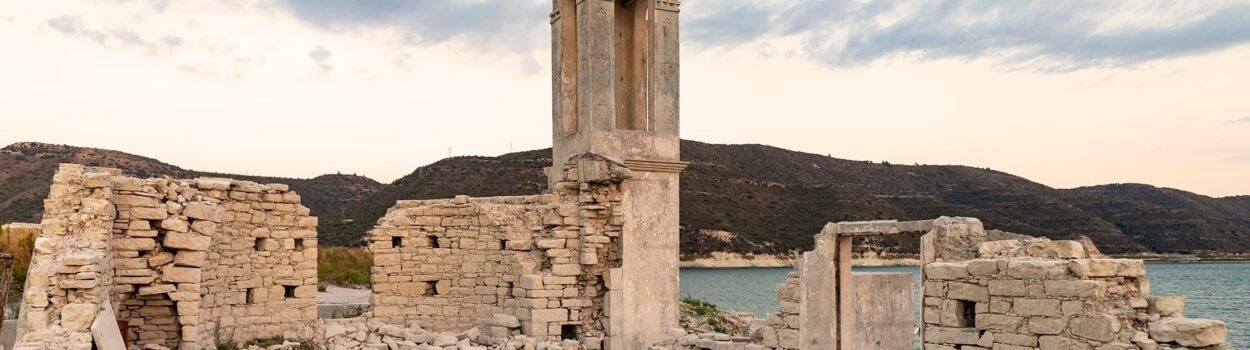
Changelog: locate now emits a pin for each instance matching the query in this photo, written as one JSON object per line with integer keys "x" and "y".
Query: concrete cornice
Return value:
{"x": 658, "y": 166}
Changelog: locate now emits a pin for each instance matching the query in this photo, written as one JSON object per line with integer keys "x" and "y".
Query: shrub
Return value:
{"x": 22, "y": 246}
{"x": 344, "y": 266}
{"x": 698, "y": 307}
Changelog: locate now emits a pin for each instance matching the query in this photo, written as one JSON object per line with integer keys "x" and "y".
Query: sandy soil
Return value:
{"x": 340, "y": 295}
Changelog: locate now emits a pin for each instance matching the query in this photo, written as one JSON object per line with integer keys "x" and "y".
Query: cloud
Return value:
{"x": 486, "y": 25}
{"x": 192, "y": 56}
{"x": 114, "y": 37}
{"x": 321, "y": 56}
{"x": 1049, "y": 35}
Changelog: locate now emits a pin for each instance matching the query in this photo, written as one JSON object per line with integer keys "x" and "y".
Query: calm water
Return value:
{"x": 1213, "y": 290}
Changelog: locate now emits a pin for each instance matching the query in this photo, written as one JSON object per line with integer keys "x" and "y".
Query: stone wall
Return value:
{"x": 548, "y": 260}
{"x": 261, "y": 276}
{"x": 1028, "y": 294}
{"x": 160, "y": 239}
{"x": 176, "y": 259}
{"x": 68, "y": 280}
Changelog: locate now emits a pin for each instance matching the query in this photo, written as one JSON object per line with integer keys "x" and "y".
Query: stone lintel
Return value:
{"x": 879, "y": 227}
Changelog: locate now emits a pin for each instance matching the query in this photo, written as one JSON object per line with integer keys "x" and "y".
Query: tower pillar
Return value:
{"x": 615, "y": 93}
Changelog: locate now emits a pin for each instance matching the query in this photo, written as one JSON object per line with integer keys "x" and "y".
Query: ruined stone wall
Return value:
{"x": 174, "y": 258}
{"x": 547, "y": 260}
{"x": 261, "y": 277}
{"x": 160, "y": 238}
{"x": 781, "y": 330}
{"x": 1026, "y": 294}
{"x": 68, "y": 280}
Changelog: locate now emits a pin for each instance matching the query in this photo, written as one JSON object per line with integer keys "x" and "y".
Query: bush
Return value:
{"x": 344, "y": 266}
{"x": 698, "y": 307}
{"x": 696, "y": 311}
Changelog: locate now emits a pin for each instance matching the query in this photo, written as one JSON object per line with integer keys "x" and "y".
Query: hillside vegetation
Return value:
{"x": 739, "y": 198}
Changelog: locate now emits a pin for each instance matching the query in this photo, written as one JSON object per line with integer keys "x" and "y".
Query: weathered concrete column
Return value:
{"x": 818, "y": 295}
{"x": 884, "y": 312}
{"x": 649, "y": 259}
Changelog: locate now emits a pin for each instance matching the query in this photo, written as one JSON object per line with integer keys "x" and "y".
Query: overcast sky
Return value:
{"x": 1066, "y": 93}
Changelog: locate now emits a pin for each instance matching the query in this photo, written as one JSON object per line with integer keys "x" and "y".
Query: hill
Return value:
{"x": 740, "y": 198}
{"x": 26, "y": 171}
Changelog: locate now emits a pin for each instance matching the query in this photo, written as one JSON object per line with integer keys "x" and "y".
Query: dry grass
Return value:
{"x": 21, "y": 245}
{"x": 344, "y": 266}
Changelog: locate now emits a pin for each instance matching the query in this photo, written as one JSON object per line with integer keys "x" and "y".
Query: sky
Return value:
{"x": 1066, "y": 93}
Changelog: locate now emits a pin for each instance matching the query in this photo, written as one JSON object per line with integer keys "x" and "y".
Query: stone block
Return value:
{"x": 136, "y": 201}
{"x": 520, "y": 244}
{"x": 1036, "y": 307}
{"x": 77, "y": 284}
{"x": 983, "y": 267}
{"x": 176, "y": 224}
{"x": 213, "y": 183}
{"x": 157, "y": 289}
{"x": 1050, "y": 342}
{"x": 203, "y": 211}
{"x": 98, "y": 207}
{"x": 954, "y": 313}
{"x": 207, "y": 228}
{"x": 1047, "y": 325}
{"x": 549, "y": 315}
{"x": 566, "y": 269}
{"x": 134, "y": 244}
{"x": 530, "y": 282}
{"x": 160, "y": 259}
{"x": 79, "y": 259}
{"x": 191, "y": 258}
{"x": 967, "y": 291}
{"x": 1014, "y": 288}
{"x": 77, "y": 316}
{"x": 1072, "y": 288}
{"x": 506, "y": 321}
{"x": 188, "y": 241}
{"x": 1103, "y": 328}
{"x": 180, "y": 274}
{"x": 551, "y": 243}
{"x": 1047, "y": 249}
{"x": 1189, "y": 332}
{"x": 1026, "y": 340}
{"x": 945, "y": 335}
{"x": 149, "y": 213}
{"x": 1004, "y": 323}
{"x": 1107, "y": 268}
{"x": 1166, "y": 305}
{"x": 139, "y": 225}
{"x": 946, "y": 271}
{"x": 1036, "y": 269}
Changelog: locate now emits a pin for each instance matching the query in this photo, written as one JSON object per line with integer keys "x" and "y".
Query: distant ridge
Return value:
{"x": 738, "y": 198}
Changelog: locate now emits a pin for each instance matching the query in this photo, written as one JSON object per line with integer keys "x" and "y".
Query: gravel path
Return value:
{"x": 340, "y": 295}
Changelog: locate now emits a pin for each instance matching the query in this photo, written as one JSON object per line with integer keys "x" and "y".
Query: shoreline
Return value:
{"x": 721, "y": 260}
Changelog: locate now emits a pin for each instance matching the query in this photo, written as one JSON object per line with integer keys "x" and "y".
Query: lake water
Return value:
{"x": 1213, "y": 290}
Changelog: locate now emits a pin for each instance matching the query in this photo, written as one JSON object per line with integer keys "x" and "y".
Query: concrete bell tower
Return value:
{"x": 615, "y": 94}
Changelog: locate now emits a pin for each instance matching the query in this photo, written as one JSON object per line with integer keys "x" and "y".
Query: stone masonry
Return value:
{"x": 184, "y": 262}
{"x": 547, "y": 260}
{"x": 1043, "y": 294}
{"x": 69, "y": 276}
